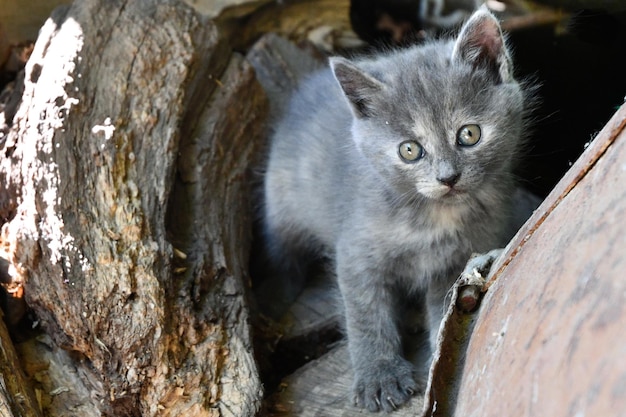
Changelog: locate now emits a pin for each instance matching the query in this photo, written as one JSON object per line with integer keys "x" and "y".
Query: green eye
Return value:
{"x": 468, "y": 135}
{"x": 411, "y": 151}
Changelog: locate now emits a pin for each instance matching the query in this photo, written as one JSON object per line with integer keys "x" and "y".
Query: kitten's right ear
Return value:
{"x": 482, "y": 44}
{"x": 358, "y": 87}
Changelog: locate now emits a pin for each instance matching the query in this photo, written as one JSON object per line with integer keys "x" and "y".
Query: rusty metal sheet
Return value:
{"x": 550, "y": 337}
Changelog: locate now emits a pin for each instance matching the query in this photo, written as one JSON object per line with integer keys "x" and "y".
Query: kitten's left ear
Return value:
{"x": 482, "y": 44}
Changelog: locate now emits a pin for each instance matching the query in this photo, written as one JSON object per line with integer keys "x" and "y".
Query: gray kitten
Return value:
{"x": 397, "y": 168}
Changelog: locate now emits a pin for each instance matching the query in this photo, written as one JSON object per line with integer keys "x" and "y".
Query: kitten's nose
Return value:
{"x": 449, "y": 180}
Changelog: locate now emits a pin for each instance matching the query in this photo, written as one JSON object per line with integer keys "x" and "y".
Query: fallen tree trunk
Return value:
{"x": 124, "y": 179}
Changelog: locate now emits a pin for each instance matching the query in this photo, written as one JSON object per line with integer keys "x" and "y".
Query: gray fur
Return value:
{"x": 336, "y": 186}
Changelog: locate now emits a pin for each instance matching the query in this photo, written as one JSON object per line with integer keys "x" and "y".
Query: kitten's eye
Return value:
{"x": 411, "y": 151}
{"x": 468, "y": 135}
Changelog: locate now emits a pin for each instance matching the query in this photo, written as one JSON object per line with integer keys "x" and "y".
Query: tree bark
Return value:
{"x": 16, "y": 395}
{"x": 124, "y": 176}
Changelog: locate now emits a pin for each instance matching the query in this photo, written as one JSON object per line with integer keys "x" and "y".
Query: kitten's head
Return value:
{"x": 443, "y": 119}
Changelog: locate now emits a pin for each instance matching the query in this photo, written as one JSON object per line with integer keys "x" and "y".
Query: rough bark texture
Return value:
{"x": 118, "y": 96}
{"x": 16, "y": 395}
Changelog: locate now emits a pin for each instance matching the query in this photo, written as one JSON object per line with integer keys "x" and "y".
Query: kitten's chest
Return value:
{"x": 425, "y": 243}
{"x": 428, "y": 226}
{"x": 422, "y": 260}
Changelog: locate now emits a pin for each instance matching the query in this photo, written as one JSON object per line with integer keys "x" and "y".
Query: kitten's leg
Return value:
{"x": 383, "y": 379}
{"x": 436, "y": 306}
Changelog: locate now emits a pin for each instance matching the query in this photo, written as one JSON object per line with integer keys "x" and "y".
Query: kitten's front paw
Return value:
{"x": 386, "y": 384}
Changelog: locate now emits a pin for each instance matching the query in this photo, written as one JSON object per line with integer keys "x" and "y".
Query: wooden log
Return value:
{"x": 323, "y": 388}
{"x": 61, "y": 385}
{"x": 16, "y": 396}
{"x": 316, "y": 310}
{"x": 130, "y": 228}
{"x": 231, "y": 8}
{"x": 280, "y": 65}
{"x": 323, "y": 22}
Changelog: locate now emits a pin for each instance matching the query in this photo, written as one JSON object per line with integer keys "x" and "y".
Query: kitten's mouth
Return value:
{"x": 443, "y": 193}
{"x": 453, "y": 195}
{"x": 454, "y": 191}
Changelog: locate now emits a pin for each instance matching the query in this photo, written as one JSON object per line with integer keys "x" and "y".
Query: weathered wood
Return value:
{"x": 16, "y": 396}
{"x": 139, "y": 274}
{"x": 316, "y": 310}
{"x": 323, "y": 388}
{"x": 5, "y": 410}
{"x": 232, "y": 8}
{"x": 210, "y": 221}
{"x": 61, "y": 385}
{"x": 280, "y": 65}
{"x": 323, "y": 22}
